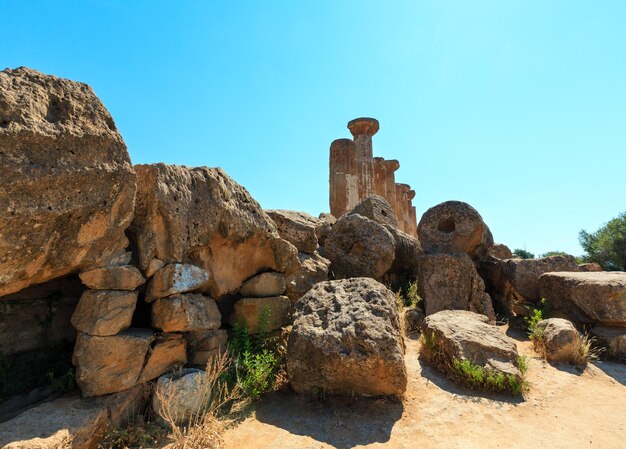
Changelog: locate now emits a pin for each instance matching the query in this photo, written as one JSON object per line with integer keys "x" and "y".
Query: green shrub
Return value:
{"x": 536, "y": 314}
{"x": 257, "y": 359}
{"x": 407, "y": 296}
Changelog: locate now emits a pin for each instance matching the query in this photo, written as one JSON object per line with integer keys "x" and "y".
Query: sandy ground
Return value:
{"x": 563, "y": 409}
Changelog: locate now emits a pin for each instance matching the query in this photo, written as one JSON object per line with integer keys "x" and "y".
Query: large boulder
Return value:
{"x": 359, "y": 247}
{"x": 182, "y": 395}
{"x": 346, "y": 340}
{"x": 298, "y": 228}
{"x": 613, "y": 339}
{"x": 110, "y": 364}
{"x": 461, "y": 335}
{"x": 313, "y": 269}
{"x": 451, "y": 282}
{"x": 202, "y": 217}
{"x": 67, "y": 187}
{"x": 501, "y": 251}
{"x": 587, "y": 297}
{"x": 104, "y": 312}
{"x": 558, "y": 340}
{"x": 454, "y": 227}
{"x": 523, "y": 274}
{"x": 186, "y": 313}
{"x": 327, "y": 221}
{"x": 376, "y": 208}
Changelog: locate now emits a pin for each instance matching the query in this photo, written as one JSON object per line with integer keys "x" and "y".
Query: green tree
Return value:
{"x": 554, "y": 253}
{"x": 607, "y": 246}
{"x": 524, "y": 254}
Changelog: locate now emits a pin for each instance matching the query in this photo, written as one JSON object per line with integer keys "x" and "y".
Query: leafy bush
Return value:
{"x": 524, "y": 254}
{"x": 407, "y": 296}
{"x": 607, "y": 246}
{"x": 536, "y": 314}
{"x": 258, "y": 359}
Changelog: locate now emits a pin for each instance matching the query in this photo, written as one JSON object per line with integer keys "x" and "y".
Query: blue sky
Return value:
{"x": 517, "y": 107}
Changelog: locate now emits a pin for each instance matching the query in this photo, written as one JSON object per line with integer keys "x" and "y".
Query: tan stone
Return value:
{"x": 313, "y": 269}
{"x": 124, "y": 277}
{"x": 451, "y": 282}
{"x": 67, "y": 187}
{"x": 613, "y": 339}
{"x": 455, "y": 227}
{"x": 104, "y": 312}
{"x": 264, "y": 284}
{"x": 110, "y": 364}
{"x": 346, "y": 340}
{"x": 501, "y": 251}
{"x": 153, "y": 266}
{"x": 205, "y": 344}
{"x": 592, "y": 266}
{"x": 187, "y": 312}
{"x": 251, "y": 312}
{"x": 298, "y": 228}
{"x": 524, "y": 274}
{"x": 175, "y": 278}
{"x": 376, "y": 208}
{"x": 597, "y": 298}
{"x": 559, "y": 340}
{"x": 169, "y": 352}
{"x": 358, "y": 246}
{"x": 202, "y": 217}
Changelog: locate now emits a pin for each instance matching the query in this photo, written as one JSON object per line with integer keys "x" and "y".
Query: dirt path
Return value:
{"x": 564, "y": 409}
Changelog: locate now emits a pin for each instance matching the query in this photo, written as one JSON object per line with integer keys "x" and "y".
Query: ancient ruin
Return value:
{"x": 356, "y": 174}
{"x": 120, "y": 282}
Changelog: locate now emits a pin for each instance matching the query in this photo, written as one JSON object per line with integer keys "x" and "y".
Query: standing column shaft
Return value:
{"x": 344, "y": 187}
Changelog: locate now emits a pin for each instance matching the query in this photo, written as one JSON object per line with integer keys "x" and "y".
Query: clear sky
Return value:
{"x": 516, "y": 107}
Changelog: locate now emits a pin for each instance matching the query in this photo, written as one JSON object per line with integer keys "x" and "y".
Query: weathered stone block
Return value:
{"x": 104, "y": 312}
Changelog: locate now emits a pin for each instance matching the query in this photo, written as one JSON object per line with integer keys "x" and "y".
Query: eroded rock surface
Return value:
{"x": 202, "y": 217}
{"x": 376, "y": 208}
{"x": 451, "y": 282}
{"x": 124, "y": 277}
{"x": 359, "y": 247}
{"x": 559, "y": 340}
{"x": 598, "y": 298}
{"x": 67, "y": 187}
{"x": 261, "y": 314}
{"x": 524, "y": 274}
{"x": 104, "y": 312}
{"x": 346, "y": 340}
{"x": 175, "y": 278}
{"x": 264, "y": 284}
{"x": 464, "y": 335}
{"x": 298, "y": 228}
{"x": 184, "y": 313}
{"x": 313, "y": 269}
{"x": 454, "y": 227}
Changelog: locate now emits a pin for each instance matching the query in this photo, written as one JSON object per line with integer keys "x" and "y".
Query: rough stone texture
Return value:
{"x": 592, "y": 266}
{"x": 39, "y": 316}
{"x": 498, "y": 285}
{"x": 524, "y": 273}
{"x": 408, "y": 252}
{"x": 559, "y": 340}
{"x": 249, "y": 311}
{"x": 313, "y": 269}
{"x": 184, "y": 394}
{"x": 465, "y": 335}
{"x": 264, "y": 284}
{"x": 125, "y": 277}
{"x": 327, "y": 221}
{"x": 413, "y": 319}
{"x": 205, "y": 344}
{"x": 110, "y": 364}
{"x": 451, "y": 282}
{"x": 67, "y": 187}
{"x": 613, "y": 339}
{"x": 175, "y": 278}
{"x": 454, "y": 227}
{"x": 359, "y": 247}
{"x": 376, "y": 208}
{"x": 183, "y": 313}
{"x": 500, "y": 251}
{"x": 153, "y": 266}
{"x": 346, "y": 340}
{"x": 104, "y": 312}
{"x": 298, "y": 228}
{"x": 169, "y": 352}
{"x": 598, "y": 298}
{"x": 117, "y": 259}
{"x": 52, "y": 425}
{"x": 202, "y": 217}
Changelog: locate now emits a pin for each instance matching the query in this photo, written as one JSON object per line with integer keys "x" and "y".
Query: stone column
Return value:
{"x": 362, "y": 130}
{"x": 390, "y": 168}
{"x": 380, "y": 177}
{"x": 344, "y": 187}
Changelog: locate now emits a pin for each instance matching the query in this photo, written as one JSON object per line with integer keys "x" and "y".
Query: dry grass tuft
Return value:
{"x": 204, "y": 427}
